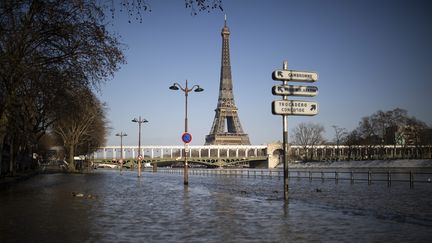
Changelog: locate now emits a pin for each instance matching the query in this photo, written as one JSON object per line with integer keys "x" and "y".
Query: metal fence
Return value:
{"x": 369, "y": 175}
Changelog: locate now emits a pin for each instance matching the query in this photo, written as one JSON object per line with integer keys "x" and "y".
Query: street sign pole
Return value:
{"x": 287, "y": 107}
{"x": 285, "y": 140}
{"x": 187, "y": 138}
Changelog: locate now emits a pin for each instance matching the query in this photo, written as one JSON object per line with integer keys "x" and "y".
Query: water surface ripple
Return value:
{"x": 158, "y": 208}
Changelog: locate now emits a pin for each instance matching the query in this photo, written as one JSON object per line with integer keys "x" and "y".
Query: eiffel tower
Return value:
{"x": 226, "y": 128}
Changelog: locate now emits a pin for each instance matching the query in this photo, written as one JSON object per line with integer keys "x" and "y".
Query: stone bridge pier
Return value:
{"x": 274, "y": 154}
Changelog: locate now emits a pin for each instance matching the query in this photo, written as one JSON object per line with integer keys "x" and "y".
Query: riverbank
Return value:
{"x": 366, "y": 164}
{"x": 7, "y": 181}
{"x": 18, "y": 177}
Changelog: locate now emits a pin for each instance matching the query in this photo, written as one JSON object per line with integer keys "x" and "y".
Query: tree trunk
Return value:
{"x": 12, "y": 159}
{"x": 349, "y": 153}
{"x": 2, "y": 136}
{"x": 312, "y": 153}
{"x": 71, "y": 167}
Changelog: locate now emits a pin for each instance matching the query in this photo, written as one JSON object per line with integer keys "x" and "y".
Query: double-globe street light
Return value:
{"x": 186, "y": 90}
{"x": 140, "y": 157}
{"x": 121, "y": 135}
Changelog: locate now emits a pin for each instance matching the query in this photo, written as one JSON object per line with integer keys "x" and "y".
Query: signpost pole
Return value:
{"x": 140, "y": 156}
{"x": 187, "y": 138}
{"x": 287, "y": 107}
{"x": 186, "y": 173}
{"x": 285, "y": 141}
{"x": 139, "y": 147}
{"x": 121, "y": 135}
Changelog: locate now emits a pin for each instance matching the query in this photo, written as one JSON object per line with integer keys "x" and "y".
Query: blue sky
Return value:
{"x": 370, "y": 56}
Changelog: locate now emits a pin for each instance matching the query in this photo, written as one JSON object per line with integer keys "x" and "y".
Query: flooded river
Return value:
{"x": 157, "y": 207}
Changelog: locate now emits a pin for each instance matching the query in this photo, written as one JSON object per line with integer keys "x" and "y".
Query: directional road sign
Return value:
{"x": 292, "y": 75}
{"x": 294, "y": 107}
{"x": 295, "y": 90}
{"x": 186, "y": 137}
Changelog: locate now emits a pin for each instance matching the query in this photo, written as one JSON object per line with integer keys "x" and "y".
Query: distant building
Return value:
{"x": 407, "y": 135}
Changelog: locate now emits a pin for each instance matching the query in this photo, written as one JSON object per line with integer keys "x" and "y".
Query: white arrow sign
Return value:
{"x": 294, "y": 107}
{"x": 291, "y": 75}
{"x": 295, "y": 90}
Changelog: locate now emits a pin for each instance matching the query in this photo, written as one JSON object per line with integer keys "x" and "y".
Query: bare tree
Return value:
{"x": 136, "y": 8}
{"x": 340, "y": 136}
{"x": 413, "y": 137}
{"x": 368, "y": 131}
{"x": 308, "y": 135}
{"x": 393, "y": 127}
{"x": 398, "y": 118}
{"x": 384, "y": 121}
{"x": 82, "y": 123}
{"x": 47, "y": 46}
{"x": 352, "y": 140}
{"x": 96, "y": 136}
{"x": 50, "y": 46}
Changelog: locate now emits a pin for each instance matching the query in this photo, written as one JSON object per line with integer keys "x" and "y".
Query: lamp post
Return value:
{"x": 121, "y": 135}
{"x": 186, "y": 90}
{"x": 140, "y": 157}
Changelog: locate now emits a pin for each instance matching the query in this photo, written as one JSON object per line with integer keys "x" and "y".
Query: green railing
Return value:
{"x": 208, "y": 161}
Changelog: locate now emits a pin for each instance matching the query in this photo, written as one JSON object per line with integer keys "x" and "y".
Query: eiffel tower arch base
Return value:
{"x": 227, "y": 139}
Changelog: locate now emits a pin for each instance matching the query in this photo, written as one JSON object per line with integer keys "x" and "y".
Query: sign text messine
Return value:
{"x": 295, "y": 90}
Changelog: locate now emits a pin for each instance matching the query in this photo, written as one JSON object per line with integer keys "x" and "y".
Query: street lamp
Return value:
{"x": 186, "y": 90}
{"x": 140, "y": 157}
{"x": 121, "y": 135}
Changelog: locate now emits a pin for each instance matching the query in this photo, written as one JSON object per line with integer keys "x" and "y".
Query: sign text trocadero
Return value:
{"x": 294, "y": 107}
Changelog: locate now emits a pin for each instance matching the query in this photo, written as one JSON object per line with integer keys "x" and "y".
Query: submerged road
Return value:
{"x": 108, "y": 207}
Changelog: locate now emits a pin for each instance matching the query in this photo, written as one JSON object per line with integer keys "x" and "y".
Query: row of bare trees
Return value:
{"x": 374, "y": 134}
{"x": 391, "y": 128}
{"x": 53, "y": 54}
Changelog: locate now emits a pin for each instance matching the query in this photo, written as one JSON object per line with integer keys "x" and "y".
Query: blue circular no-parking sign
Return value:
{"x": 186, "y": 137}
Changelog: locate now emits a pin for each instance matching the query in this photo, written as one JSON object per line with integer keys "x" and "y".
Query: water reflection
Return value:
{"x": 158, "y": 207}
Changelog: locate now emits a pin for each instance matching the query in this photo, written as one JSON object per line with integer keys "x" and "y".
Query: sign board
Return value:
{"x": 186, "y": 137}
{"x": 294, "y": 107}
{"x": 139, "y": 157}
{"x": 295, "y": 90}
{"x": 292, "y": 75}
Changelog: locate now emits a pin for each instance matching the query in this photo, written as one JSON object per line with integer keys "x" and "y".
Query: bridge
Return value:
{"x": 264, "y": 156}
{"x": 258, "y": 161}
{"x": 209, "y": 155}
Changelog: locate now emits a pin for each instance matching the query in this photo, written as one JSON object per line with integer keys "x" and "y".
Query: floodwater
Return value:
{"x": 157, "y": 207}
